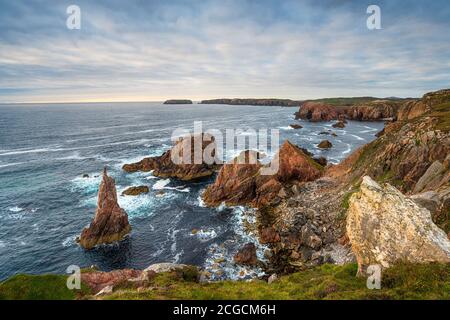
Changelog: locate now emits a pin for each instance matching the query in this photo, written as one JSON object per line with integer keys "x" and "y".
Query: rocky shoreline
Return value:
{"x": 255, "y": 102}
{"x": 382, "y": 205}
{"x": 302, "y": 209}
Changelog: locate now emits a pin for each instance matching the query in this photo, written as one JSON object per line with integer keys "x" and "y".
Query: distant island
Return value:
{"x": 255, "y": 102}
{"x": 178, "y": 101}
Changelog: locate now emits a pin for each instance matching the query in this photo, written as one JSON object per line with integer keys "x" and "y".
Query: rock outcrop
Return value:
{"x": 369, "y": 111}
{"x": 385, "y": 227}
{"x": 317, "y": 111}
{"x": 178, "y": 101}
{"x": 408, "y": 153}
{"x": 164, "y": 167}
{"x": 415, "y": 108}
{"x": 255, "y": 102}
{"x": 135, "y": 191}
{"x": 110, "y": 223}
{"x": 339, "y": 124}
{"x": 241, "y": 182}
{"x": 99, "y": 280}
{"x": 295, "y": 126}
{"x": 325, "y": 144}
{"x": 247, "y": 255}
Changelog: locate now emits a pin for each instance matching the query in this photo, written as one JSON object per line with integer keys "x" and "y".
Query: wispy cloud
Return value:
{"x": 153, "y": 50}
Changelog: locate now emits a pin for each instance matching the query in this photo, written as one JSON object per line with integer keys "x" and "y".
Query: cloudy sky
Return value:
{"x": 154, "y": 50}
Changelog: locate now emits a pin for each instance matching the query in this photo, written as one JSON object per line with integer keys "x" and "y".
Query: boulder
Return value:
{"x": 325, "y": 144}
{"x": 247, "y": 255}
{"x": 339, "y": 124}
{"x": 164, "y": 166}
{"x": 268, "y": 235}
{"x": 135, "y": 191}
{"x": 385, "y": 227}
{"x": 110, "y": 223}
{"x": 102, "y": 282}
{"x": 295, "y": 126}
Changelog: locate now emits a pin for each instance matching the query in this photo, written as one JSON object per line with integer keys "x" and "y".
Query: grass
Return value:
{"x": 38, "y": 287}
{"x": 442, "y": 113}
{"x": 403, "y": 281}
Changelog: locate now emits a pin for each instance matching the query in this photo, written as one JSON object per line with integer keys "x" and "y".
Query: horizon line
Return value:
{"x": 198, "y": 101}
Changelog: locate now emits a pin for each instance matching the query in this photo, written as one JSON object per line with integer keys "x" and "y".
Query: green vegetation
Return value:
{"x": 442, "y": 113}
{"x": 404, "y": 281}
{"x": 346, "y": 101}
{"x": 38, "y": 287}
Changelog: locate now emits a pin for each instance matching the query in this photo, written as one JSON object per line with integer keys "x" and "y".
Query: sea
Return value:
{"x": 45, "y": 202}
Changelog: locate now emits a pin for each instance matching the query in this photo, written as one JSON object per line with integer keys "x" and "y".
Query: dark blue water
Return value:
{"x": 45, "y": 202}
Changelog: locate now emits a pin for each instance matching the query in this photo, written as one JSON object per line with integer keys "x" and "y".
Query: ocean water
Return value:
{"x": 45, "y": 202}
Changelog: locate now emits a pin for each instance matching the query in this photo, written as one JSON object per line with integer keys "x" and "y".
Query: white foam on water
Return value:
{"x": 220, "y": 256}
{"x": 286, "y": 128}
{"x": 15, "y": 209}
{"x": 2, "y": 244}
{"x": 201, "y": 203}
{"x": 69, "y": 241}
{"x": 349, "y": 148}
{"x": 11, "y": 164}
{"x": 357, "y": 137}
{"x": 204, "y": 235}
{"x": 162, "y": 185}
{"x": 86, "y": 185}
{"x": 177, "y": 257}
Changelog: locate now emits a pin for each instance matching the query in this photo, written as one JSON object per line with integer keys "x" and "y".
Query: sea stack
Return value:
{"x": 110, "y": 223}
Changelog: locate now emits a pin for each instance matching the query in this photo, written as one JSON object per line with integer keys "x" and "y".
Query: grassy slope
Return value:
{"x": 38, "y": 287}
{"x": 406, "y": 281}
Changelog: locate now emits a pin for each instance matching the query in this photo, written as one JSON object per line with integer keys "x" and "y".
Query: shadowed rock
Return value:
{"x": 135, "y": 191}
{"x": 241, "y": 182}
{"x": 325, "y": 144}
{"x": 164, "y": 167}
{"x": 246, "y": 255}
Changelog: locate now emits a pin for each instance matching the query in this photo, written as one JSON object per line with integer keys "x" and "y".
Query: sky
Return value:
{"x": 157, "y": 50}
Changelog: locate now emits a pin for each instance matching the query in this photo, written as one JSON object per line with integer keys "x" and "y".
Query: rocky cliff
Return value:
{"x": 368, "y": 111}
{"x": 164, "y": 166}
{"x": 241, "y": 182}
{"x": 110, "y": 222}
{"x": 255, "y": 102}
{"x": 386, "y": 227}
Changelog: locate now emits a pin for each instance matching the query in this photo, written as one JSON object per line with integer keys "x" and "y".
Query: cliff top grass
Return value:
{"x": 442, "y": 113}
{"x": 351, "y": 101}
{"x": 404, "y": 281}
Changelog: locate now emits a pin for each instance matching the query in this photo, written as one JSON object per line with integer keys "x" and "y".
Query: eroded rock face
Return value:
{"x": 98, "y": 280}
{"x": 246, "y": 255}
{"x": 385, "y": 227}
{"x": 110, "y": 223}
{"x": 317, "y": 111}
{"x": 374, "y": 110}
{"x": 164, "y": 167}
{"x": 242, "y": 182}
